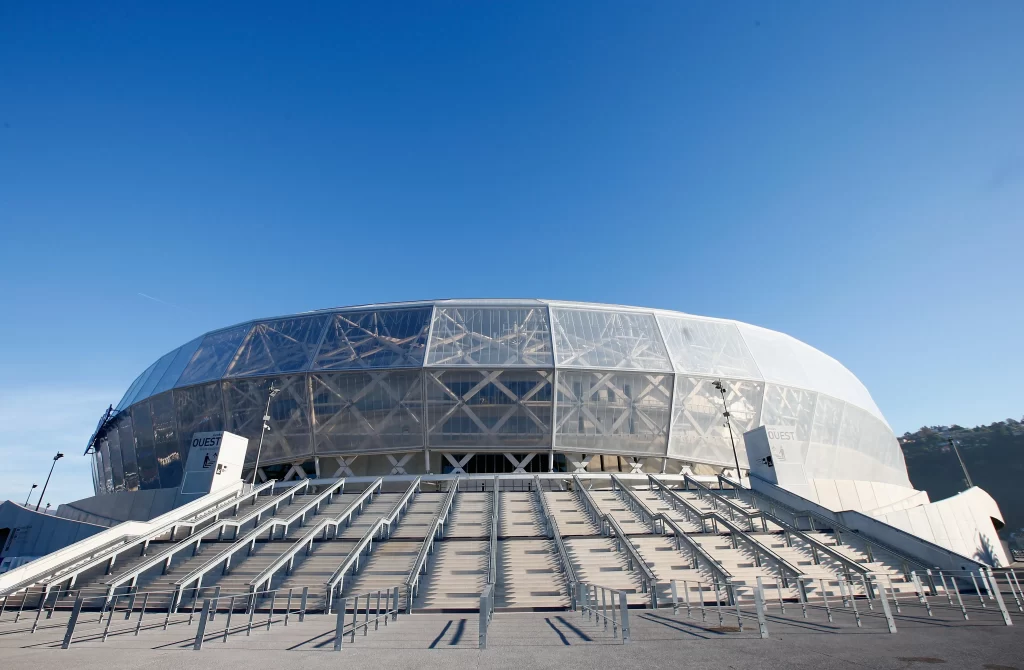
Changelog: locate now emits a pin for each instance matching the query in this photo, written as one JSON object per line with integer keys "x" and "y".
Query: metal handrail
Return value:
{"x": 199, "y": 517}
{"x": 440, "y": 518}
{"x": 731, "y": 505}
{"x": 838, "y": 529}
{"x": 365, "y": 542}
{"x": 275, "y": 502}
{"x": 306, "y": 541}
{"x": 492, "y": 558}
{"x": 556, "y": 535}
{"x": 696, "y": 550}
{"x": 72, "y": 568}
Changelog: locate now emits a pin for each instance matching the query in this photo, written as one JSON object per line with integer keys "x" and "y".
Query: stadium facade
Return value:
{"x": 493, "y": 386}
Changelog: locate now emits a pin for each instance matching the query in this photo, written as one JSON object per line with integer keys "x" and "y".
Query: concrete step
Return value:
{"x": 531, "y": 576}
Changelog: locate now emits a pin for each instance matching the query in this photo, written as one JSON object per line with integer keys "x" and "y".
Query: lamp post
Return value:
{"x": 34, "y": 487}
{"x": 266, "y": 427}
{"x": 55, "y": 459}
{"x": 956, "y": 451}
{"x": 721, "y": 389}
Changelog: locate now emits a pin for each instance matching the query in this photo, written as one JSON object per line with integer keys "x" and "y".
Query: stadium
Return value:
{"x": 420, "y": 387}
{"x": 508, "y": 458}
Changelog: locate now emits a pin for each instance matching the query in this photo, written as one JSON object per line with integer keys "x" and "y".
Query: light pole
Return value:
{"x": 55, "y": 459}
{"x": 721, "y": 389}
{"x": 34, "y": 487}
{"x": 266, "y": 427}
{"x": 956, "y": 451}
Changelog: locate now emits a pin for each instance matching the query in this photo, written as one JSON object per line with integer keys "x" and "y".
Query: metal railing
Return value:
{"x": 609, "y": 526}
{"x": 838, "y": 529}
{"x": 434, "y": 532}
{"x": 335, "y": 584}
{"x": 556, "y": 537}
{"x": 598, "y": 603}
{"x": 373, "y": 613}
{"x": 732, "y": 507}
{"x": 287, "y": 558}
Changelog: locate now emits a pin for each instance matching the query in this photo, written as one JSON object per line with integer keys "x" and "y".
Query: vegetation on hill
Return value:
{"x": 994, "y": 456}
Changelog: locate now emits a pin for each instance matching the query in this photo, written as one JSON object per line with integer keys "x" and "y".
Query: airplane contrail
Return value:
{"x": 162, "y": 302}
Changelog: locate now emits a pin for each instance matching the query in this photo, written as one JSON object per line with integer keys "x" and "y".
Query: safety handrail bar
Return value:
{"x": 257, "y": 512}
{"x": 70, "y": 569}
{"x": 609, "y": 521}
{"x": 199, "y": 517}
{"x": 636, "y": 502}
{"x": 306, "y": 541}
{"x": 365, "y": 542}
{"x": 731, "y": 505}
{"x": 556, "y": 535}
{"x": 395, "y": 513}
{"x": 197, "y": 539}
{"x": 837, "y": 528}
{"x": 588, "y": 502}
{"x": 427, "y": 547}
{"x": 249, "y": 539}
{"x": 696, "y": 549}
{"x": 492, "y": 557}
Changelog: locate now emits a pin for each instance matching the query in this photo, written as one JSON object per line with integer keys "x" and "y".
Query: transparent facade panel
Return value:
{"x": 107, "y": 474}
{"x": 395, "y": 338}
{"x": 110, "y": 447}
{"x": 126, "y": 444}
{"x": 613, "y": 412}
{"x": 498, "y": 336}
{"x": 273, "y": 347}
{"x": 145, "y": 448}
{"x": 699, "y": 433}
{"x": 130, "y": 393}
{"x": 165, "y": 440}
{"x": 360, "y": 412}
{"x": 828, "y": 417}
{"x": 786, "y": 406}
{"x": 198, "y": 409}
{"x": 288, "y": 438}
{"x": 137, "y": 395}
{"x": 710, "y": 348}
{"x": 179, "y": 360}
{"x": 599, "y": 339}
{"x": 213, "y": 356}
{"x": 489, "y": 408}
{"x": 96, "y": 467}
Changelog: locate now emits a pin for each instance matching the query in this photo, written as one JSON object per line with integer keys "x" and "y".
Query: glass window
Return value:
{"x": 499, "y": 336}
{"x": 603, "y": 339}
{"x": 489, "y": 408}
{"x": 711, "y": 348}
{"x": 165, "y": 440}
{"x": 394, "y": 338}
{"x": 699, "y": 433}
{"x": 631, "y": 420}
{"x": 288, "y": 438}
{"x": 179, "y": 360}
{"x": 126, "y": 445}
{"x": 361, "y": 412}
{"x": 272, "y": 347}
{"x": 198, "y": 409}
{"x": 214, "y": 355}
{"x": 145, "y": 449}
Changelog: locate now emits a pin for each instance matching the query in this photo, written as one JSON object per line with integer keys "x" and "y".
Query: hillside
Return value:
{"x": 994, "y": 456}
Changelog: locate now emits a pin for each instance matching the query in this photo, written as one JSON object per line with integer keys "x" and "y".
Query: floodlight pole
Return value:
{"x": 55, "y": 459}
{"x": 956, "y": 451}
{"x": 266, "y": 427}
{"x": 721, "y": 389}
{"x": 34, "y": 487}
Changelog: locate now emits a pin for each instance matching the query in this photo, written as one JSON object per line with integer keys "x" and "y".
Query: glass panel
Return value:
{"x": 110, "y": 446}
{"x": 498, "y": 336}
{"x": 786, "y": 406}
{"x": 272, "y": 347}
{"x": 130, "y": 393}
{"x": 598, "y": 339}
{"x": 613, "y": 412}
{"x": 177, "y": 365}
{"x": 383, "y": 339}
{"x": 489, "y": 408}
{"x": 828, "y": 416}
{"x": 108, "y": 475}
{"x": 126, "y": 442}
{"x": 165, "y": 441}
{"x": 699, "y": 433}
{"x": 288, "y": 438}
{"x": 159, "y": 368}
{"x": 711, "y": 348}
{"x": 95, "y": 466}
{"x": 136, "y": 395}
{"x": 213, "y": 356}
{"x": 367, "y": 411}
{"x": 145, "y": 449}
{"x": 198, "y": 410}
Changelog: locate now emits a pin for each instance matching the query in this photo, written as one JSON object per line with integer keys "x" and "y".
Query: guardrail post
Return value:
{"x": 394, "y": 608}
{"x": 624, "y": 618}
{"x": 759, "y": 603}
{"x": 72, "y": 622}
{"x": 339, "y": 625}
{"x": 994, "y": 589}
{"x": 484, "y": 608}
{"x": 142, "y": 612}
{"x": 302, "y": 604}
{"x": 885, "y": 608}
{"x": 201, "y": 629}
{"x": 675, "y": 598}
{"x": 216, "y": 602}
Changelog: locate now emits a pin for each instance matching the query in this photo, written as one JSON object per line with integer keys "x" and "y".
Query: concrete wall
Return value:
{"x": 36, "y": 534}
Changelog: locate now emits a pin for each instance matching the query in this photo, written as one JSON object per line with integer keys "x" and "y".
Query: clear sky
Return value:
{"x": 851, "y": 173}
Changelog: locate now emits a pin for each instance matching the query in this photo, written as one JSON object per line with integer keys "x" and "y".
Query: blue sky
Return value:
{"x": 848, "y": 173}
